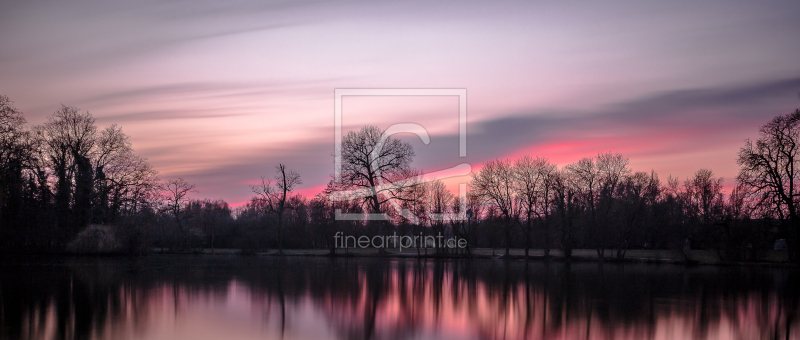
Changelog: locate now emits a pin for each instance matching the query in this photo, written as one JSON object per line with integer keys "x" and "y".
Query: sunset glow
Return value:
{"x": 220, "y": 94}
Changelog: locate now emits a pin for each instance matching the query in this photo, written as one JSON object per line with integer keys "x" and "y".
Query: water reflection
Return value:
{"x": 196, "y": 297}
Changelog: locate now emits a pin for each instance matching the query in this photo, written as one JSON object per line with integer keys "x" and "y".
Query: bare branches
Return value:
{"x": 273, "y": 197}
{"x": 494, "y": 183}
{"x": 174, "y": 192}
{"x": 704, "y": 193}
{"x": 383, "y": 170}
{"x": 531, "y": 175}
{"x": 12, "y": 135}
{"x": 769, "y": 166}
{"x": 11, "y": 120}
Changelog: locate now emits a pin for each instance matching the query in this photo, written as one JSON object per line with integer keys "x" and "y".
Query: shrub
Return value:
{"x": 95, "y": 239}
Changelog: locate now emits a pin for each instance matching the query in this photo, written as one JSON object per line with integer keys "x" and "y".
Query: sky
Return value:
{"x": 218, "y": 93}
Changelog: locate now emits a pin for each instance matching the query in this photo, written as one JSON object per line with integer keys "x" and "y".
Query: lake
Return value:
{"x": 235, "y": 297}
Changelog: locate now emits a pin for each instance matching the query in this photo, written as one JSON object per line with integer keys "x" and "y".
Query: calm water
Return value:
{"x": 231, "y": 297}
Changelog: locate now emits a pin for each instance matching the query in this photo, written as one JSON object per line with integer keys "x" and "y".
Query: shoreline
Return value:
{"x": 676, "y": 257}
{"x": 542, "y": 258}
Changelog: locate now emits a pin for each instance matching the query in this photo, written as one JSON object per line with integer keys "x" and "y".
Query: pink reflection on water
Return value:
{"x": 411, "y": 303}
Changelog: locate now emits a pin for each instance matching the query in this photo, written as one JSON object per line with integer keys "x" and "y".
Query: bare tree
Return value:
{"x": 321, "y": 214}
{"x": 11, "y": 130}
{"x": 769, "y": 168}
{"x": 74, "y": 174}
{"x": 704, "y": 200}
{"x": 274, "y": 196}
{"x": 15, "y": 152}
{"x": 613, "y": 170}
{"x": 465, "y": 228}
{"x": 637, "y": 194}
{"x": 741, "y": 235}
{"x": 11, "y": 126}
{"x": 597, "y": 181}
{"x": 494, "y": 184}
{"x": 379, "y": 169}
{"x": 564, "y": 201}
{"x": 123, "y": 180}
{"x": 530, "y": 178}
{"x": 128, "y": 184}
{"x": 415, "y": 200}
{"x": 174, "y": 193}
{"x": 68, "y": 137}
{"x": 739, "y": 205}
{"x": 209, "y": 216}
{"x": 97, "y": 175}
{"x": 439, "y": 201}
{"x": 585, "y": 177}
{"x": 704, "y": 192}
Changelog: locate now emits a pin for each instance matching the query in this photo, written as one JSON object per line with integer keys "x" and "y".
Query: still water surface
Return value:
{"x": 232, "y": 297}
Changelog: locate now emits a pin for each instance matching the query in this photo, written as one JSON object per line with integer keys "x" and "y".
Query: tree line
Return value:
{"x": 68, "y": 185}
{"x": 65, "y": 174}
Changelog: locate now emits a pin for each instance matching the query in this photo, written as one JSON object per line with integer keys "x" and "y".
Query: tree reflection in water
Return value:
{"x": 210, "y": 297}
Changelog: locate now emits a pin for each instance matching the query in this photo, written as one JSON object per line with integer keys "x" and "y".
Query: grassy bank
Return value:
{"x": 634, "y": 255}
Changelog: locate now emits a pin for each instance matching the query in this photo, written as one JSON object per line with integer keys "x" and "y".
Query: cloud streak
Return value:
{"x": 221, "y": 92}
{"x": 651, "y": 129}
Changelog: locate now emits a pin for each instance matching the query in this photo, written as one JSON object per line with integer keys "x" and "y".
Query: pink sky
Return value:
{"x": 220, "y": 94}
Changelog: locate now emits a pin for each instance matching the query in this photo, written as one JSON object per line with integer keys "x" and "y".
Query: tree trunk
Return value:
{"x": 508, "y": 239}
{"x": 280, "y": 233}
{"x": 794, "y": 252}
{"x": 528, "y": 237}
{"x": 546, "y": 227}
{"x": 213, "y": 232}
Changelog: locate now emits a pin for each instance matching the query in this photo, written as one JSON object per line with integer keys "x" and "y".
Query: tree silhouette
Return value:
{"x": 69, "y": 136}
{"x": 769, "y": 168}
{"x": 273, "y": 197}
{"x": 531, "y": 176}
{"x": 58, "y": 177}
{"x": 174, "y": 193}
{"x": 381, "y": 172}
{"x": 14, "y": 154}
{"x": 494, "y": 183}
{"x": 439, "y": 202}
